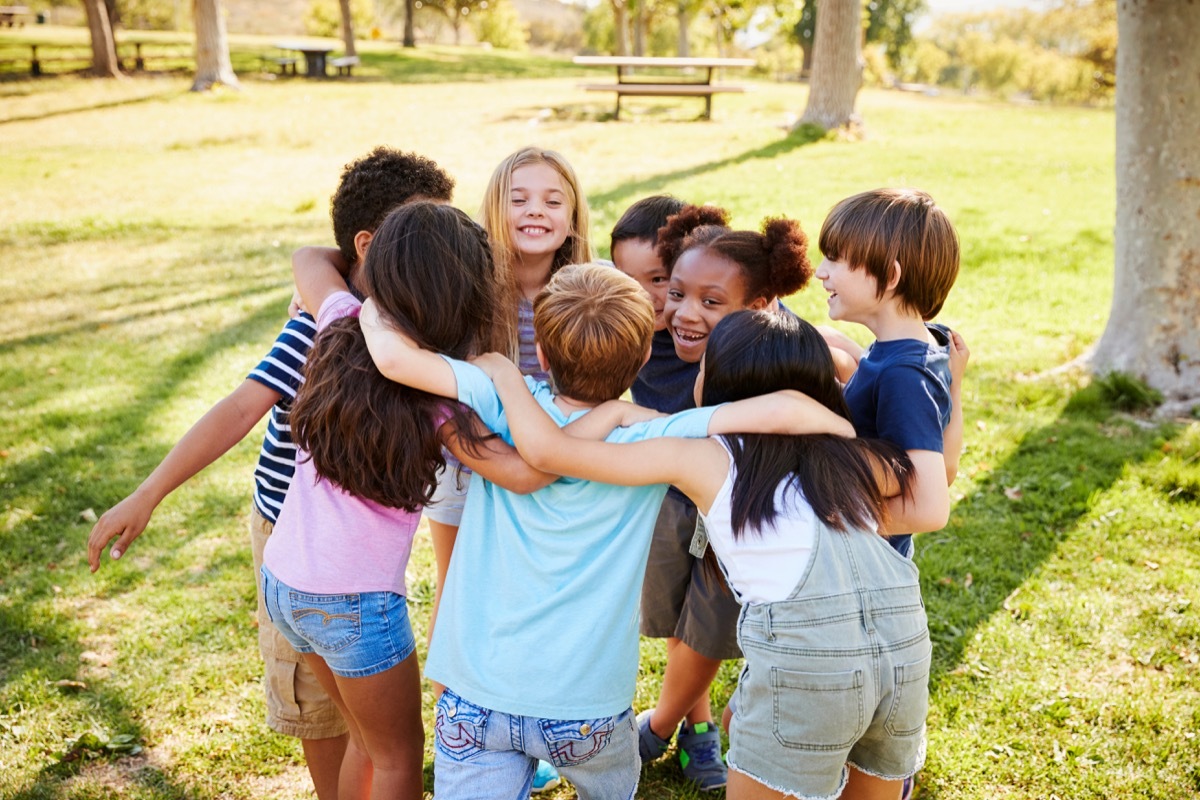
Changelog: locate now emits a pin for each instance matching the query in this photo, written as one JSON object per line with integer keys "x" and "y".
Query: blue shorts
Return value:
{"x": 357, "y": 634}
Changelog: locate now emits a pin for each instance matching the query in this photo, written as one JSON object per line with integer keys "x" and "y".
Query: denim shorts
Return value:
{"x": 817, "y": 693}
{"x": 482, "y": 754}
{"x": 357, "y": 634}
{"x": 450, "y": 496}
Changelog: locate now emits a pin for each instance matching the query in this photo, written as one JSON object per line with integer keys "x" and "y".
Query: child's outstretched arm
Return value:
{"x": 308, "y": 255}
{"x": 495, "y": 460}
{"x": 845, "y": 351}
{"x": 952, "y": 439}
{"x": 223, "y": 426}
{"x": 400, "y": 359}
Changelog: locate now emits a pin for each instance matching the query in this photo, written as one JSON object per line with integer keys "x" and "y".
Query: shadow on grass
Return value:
{"x": 1002, "y": 533}
{"x": 62, "y": 112}
{"x": 623, "y": 196}
{"x": 43, "y": 646}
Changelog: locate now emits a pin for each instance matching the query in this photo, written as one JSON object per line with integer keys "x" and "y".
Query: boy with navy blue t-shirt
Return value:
{"x": 891, "y": 257}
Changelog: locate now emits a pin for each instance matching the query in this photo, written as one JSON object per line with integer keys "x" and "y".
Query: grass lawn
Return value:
{"x": 145, "y": 233}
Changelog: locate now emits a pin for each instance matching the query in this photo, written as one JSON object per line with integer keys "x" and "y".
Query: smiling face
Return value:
{"x": 637, "y": 259}
{"x": 704, "y": 288}
{"x": 539, "y": 213}
{"x": 853, "y": 293}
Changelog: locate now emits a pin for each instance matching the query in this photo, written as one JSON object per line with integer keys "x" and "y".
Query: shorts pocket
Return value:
{"x": 910, "y": 699}
{"x": 460, "y": 727}
{"x": 330, "y": 622}
{"x": 818, "y": 710}
{"x": 572, "y": 742}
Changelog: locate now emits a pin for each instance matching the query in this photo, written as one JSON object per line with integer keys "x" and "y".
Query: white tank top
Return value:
{"x": 764, "y": 564}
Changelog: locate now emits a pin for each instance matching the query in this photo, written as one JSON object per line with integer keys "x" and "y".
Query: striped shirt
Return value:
{"x": 281, "y": 371}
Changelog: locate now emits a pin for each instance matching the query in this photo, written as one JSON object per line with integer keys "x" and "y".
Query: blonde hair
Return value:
{"x": 594, "y": 324}
{"x": 493, "y": 216}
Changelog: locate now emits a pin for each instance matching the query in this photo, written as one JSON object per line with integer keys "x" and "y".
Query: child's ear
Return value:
{"x": 362, "y": 241}
{"x": 545, "y": 365}
{"x": 894, "y": 279}
{"x": 761, "y": 303}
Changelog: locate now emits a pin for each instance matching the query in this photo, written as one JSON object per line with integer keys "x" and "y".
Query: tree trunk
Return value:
{"x": 1153, "y": 330}
{"x": 347, "y": 28}
{"x": 410, "y": 11}
{"x": 104, "y": 49}
{"x": 837, "y": 65}
{"x": 620, "y": 28}
{"x": 639, "y": 27}
{"x": 212, "y": 47}
{"x": 682, "y": 16}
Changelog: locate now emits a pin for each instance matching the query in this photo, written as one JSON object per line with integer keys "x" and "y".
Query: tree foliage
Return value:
{"x": 499, "y": 25}
{"x": 324, "y": 17}
{"x": 888, "y": 22}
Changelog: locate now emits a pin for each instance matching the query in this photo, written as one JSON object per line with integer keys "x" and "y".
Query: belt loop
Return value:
{"x": 769, "y": 631}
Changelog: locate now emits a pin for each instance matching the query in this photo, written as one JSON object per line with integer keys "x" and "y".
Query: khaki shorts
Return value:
{"x": 680, "y": 599}
{"x": 296, "y": 703}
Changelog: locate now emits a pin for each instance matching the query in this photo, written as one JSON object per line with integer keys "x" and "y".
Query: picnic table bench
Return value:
{"x": 314, "y": 57}
{"x": 660, "y": 86}
{"x": 11, "y": 16}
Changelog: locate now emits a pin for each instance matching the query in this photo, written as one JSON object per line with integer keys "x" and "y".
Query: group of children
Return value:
{"x": 563, "y": 505}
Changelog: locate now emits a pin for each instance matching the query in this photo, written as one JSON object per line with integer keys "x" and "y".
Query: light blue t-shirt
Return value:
{"x": 539, "y": 614}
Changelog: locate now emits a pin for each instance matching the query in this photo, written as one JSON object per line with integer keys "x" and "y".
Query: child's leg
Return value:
{"x": 443, "y": 513}
{"x": 861, "y": 786}
{"x": 684, "y": 689}
{"x": 386, "y": 736}
{"x": 743, "y": 787}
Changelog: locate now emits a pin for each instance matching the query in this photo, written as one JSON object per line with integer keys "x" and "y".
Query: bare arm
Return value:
{"x": 223, "y": 426}
{"x": 784, "y": 412}
{"x": 399, "y": 358}
{"x": 929, "y": 507}
{"x": 316, "y": 276}
{"x": 312, "y": 258}
{"x": 845, "y": 351}
{"x": 497, "y": 461}
{"x": 952, "y": 439}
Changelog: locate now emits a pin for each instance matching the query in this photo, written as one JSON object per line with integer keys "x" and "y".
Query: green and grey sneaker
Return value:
{"x": 650, "y": 744}
{"x": 700, "y": 755}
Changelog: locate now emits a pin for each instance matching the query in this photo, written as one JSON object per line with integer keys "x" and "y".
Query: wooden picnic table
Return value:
{"x": 657, "y": 85}
{"x": 13, "y": 15}
{"x": 314, "y": 56}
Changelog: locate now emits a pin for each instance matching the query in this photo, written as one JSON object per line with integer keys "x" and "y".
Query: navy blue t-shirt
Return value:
{"x": 901, "y": 394}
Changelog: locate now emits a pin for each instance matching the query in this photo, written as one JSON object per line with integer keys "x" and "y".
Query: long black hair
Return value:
{"x": 430, "y": 271}
{"x": 751, "y": 353}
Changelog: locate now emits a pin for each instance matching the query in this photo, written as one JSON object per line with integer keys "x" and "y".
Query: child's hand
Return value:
{"x": 297, "y": 305}
{"x": 126, "y": 520}
{"x": 493, "y": 364}
{"x": 959, "y": 354}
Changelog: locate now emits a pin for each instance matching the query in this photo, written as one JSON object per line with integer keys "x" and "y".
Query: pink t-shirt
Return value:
{"x": 328, "y": 541}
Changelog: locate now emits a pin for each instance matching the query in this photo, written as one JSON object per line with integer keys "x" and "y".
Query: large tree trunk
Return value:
{"x": 1153, "y": 330}
{"x": 347, "y": 28}
{"x": 410, "y": 11}
{"x": 104, "y": 48}
{"x": 837, "y": 65}
{"x": 212, "y": 47}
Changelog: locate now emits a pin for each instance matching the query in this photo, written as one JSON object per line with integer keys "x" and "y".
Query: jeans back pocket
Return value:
{"x": 576, "y": 741}
{"x": 910, "y": 698}
{"x": 330, "y": 622}
{"x": 818, "y": 710}
{"x": 460, "y": 727}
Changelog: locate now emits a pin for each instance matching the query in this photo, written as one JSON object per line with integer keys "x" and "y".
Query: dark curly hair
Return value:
{"x": 430, "y": 271}
{"x": 773, "y": 263}
{"x": 374, "y": 185}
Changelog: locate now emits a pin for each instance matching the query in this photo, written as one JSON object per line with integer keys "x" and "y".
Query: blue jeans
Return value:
{"x": 357, "y": 634}
{"x": 483, "y": 754}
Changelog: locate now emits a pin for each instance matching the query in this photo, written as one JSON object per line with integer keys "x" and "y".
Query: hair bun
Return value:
{"x": 679, "y": 226}
{"x": 786, "y": 244}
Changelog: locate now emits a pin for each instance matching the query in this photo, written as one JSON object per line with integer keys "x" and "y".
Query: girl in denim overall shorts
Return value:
{"x": 368, "y": 455}
{"x": 833, "y": 696}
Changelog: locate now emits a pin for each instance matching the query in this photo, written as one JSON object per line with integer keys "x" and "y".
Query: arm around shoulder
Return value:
{"x": 400, "y": 359}
{"x": 783, "y": 412}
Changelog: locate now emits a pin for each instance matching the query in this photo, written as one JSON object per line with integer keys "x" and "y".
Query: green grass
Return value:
{"x": 146, "y": 231}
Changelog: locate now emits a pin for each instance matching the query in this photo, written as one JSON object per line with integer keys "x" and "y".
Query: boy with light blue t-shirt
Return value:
{"x": 563, "y": 564}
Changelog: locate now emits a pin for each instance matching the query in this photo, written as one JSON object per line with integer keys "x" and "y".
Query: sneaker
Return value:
{"x": 650, "y": 744}
{"x": 545, "y": 777}
{"x": 700, "y": 755}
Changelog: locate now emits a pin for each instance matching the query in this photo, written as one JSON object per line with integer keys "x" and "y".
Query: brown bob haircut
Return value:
{"x": 878, "y": 229}
{"x": 594, "y": 325}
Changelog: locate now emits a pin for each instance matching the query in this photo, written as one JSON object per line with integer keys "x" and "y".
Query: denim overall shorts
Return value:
{"x": 837, "y": 673}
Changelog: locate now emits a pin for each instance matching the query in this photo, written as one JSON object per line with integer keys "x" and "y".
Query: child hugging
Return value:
{"x": 369, "y": 451}
{"x": 714, "y": 271}
{"x": 794, "y": 522}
